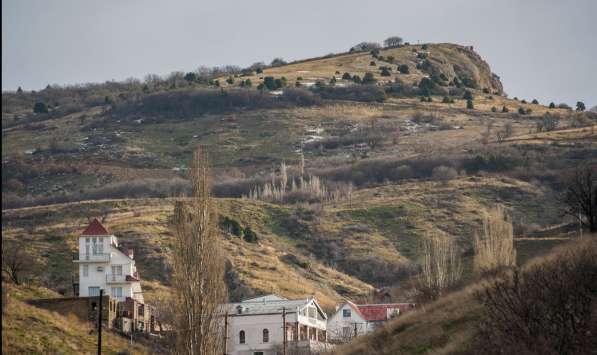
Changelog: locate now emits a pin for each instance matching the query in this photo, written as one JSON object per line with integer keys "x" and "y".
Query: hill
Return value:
{"x": 134, "y": 139}
{"x": 369, "y": 168}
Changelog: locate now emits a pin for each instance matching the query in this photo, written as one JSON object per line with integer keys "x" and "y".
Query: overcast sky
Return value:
{"x": 544, "y": 49}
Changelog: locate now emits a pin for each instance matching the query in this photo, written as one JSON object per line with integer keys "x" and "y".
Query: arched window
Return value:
{"x": 265, "y": 335}
{"x": 241, "y": 337}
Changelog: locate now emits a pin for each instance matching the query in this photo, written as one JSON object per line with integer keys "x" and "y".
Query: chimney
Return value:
{"x": 129, "y": 252}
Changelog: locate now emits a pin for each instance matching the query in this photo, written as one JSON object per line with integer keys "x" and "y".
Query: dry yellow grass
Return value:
{"x": 30, "y": 330}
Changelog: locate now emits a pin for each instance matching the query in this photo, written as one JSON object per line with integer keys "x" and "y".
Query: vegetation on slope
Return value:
{"x": 30, "y": 330}
{"x": 526, "y": 312}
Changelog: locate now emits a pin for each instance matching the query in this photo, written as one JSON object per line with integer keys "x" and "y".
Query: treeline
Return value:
{"x": 191, "y": 102}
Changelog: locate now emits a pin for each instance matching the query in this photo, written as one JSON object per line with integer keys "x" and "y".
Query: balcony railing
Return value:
{"x": 114, "y": 278}
{"x": 105, "y": 257}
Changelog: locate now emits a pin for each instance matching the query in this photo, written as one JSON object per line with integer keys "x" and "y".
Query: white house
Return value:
{"x": 264, "y": 325}
{"x": 103, "y": 264}
{"x": 351, "y": 320}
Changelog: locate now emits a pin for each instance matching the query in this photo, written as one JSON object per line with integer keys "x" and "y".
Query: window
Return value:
{"x": 265, "y": 335}
{"x": 117, "y": 270}
{"x": 346, "y": 313}
{"x": 100, "y": 246}
{"x": 117, "y": 291}
{"x": 85, "y": 270}
{"x": 241, "y": 337}
{"x": 93, "y": 291}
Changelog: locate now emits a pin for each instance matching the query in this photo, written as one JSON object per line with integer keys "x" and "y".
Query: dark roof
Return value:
{"x": 95, "y": 228}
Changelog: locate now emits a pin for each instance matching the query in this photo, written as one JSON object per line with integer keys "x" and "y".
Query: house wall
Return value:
{"x": 337, "y": 323}
{"x": 98, "y": 271}
{"x": 253, "y": 326}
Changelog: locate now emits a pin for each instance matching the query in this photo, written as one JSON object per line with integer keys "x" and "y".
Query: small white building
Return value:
{"x": 264, "y": 325}
{"x": 103, "y": 264}
{"x": 351, "y": 320}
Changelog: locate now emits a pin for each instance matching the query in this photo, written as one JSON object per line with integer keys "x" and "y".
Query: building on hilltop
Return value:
{"x": 103, "y": 264}
{"x": 351, "y": 320}
{"x": 265, "y": 325}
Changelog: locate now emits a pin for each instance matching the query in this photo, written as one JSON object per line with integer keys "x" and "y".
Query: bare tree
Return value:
{"x": 441, "y": 265}
{"x": 17, "y": 263}
{"x": 494, "y": 245}
{"x": 198, "y": 266}
{"x": 580, "y": 197}
{"x": 394, "y": 41}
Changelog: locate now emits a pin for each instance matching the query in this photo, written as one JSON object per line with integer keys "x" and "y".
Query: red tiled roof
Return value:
{"x": 379, "y": 312}
{"x": 95, "y": 228}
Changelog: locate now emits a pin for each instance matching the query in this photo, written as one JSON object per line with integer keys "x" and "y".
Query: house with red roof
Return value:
{"x": 104, "y": 264}
{"x": 351, "y": 320}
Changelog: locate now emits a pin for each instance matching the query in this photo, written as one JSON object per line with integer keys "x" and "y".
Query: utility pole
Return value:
{"x": 355, "y": 329}
{"x": 99, "y": 324}
{"x": 226, "y": 333}
{"x": 283, "y": 330}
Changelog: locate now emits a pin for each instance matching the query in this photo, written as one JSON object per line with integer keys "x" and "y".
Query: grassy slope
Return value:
{"x": 380, "y": 227}
{"x": 30, "y": 330}
{"x": 446, "y": 326}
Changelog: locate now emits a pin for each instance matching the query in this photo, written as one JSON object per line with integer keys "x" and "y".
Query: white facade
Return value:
{"x": 347, "y": 323}
{"x": 256, "y": 326}
{"x": 102, "y": 265}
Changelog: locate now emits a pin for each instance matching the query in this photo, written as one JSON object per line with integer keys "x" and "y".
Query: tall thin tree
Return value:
{"x": 198, "y": 266}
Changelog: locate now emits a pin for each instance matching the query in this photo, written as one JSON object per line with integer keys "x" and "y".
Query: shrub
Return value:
{"x": 505, "y": 109}
{"x": 546, "y": 308}
{"x": 447, "y": 100}
{"x": 521, "y": 111}
{"x": 444, "y": 173}
{"x": 40, "y": 107}
{"x": 346, "y": 76}
{"x": 425, "y": 86}
{"x": 469, "y": 104}
{"x": 372, "y": 63}
{"x": 467, "y": 95}
{"x": 333, "y": 80}
{"x": 552, "y": 105}
{"x": 469, "y": 83}
{"x": 230, "y": 225}
{"x": 190, "y": 76}
{"x": 403, "y": 69}
{"x": 369, "y": 78}
{"x": 356, "y": 79}
{"x": 493, "y": 109}
{"x": 270, "y": 83}
{"x": 523, "y": 101}
{"x": 535, "y": 101}
{"x": 547, "y": 123}
{"x": 259, "y": 70}
{"x": 230, "y": 80}
{"x": 276, "y": 62}
{"x": 249, "y": 235}
{"x": 385, "y": 71}
{"x": 580, "y": 106}
{"x": 365, "y": 46}
{"x": 366, "y": 93}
